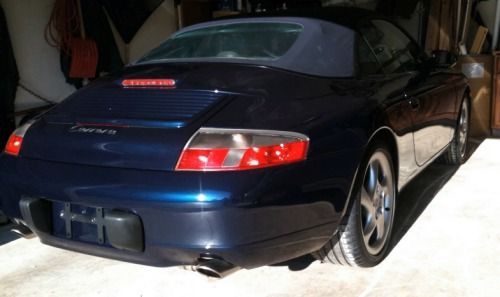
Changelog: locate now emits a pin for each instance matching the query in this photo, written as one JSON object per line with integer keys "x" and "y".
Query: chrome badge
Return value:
{"x": 92, "y": 130}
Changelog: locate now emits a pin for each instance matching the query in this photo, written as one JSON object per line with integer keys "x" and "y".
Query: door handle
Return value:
{"x": 414, "y": 103}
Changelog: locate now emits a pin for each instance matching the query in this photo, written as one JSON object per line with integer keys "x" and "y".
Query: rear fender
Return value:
{"x": 386, "y": 135}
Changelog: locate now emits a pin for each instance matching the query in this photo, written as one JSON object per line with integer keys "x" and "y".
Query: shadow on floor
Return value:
{"x": 6, "y": 235}
{"x": 417, "y": 195}
{"x": 415, "y": 198}
{"x": 410, "y": 204}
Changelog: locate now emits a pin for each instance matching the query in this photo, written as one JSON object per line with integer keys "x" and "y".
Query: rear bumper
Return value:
{"x": 244, "y": 237}
{"x": 240, "y": 229}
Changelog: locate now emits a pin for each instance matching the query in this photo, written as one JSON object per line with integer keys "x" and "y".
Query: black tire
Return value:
{"x": 456, "y": 154}
{"x": 348, "y": 246}
{"x": 3, "y": 218}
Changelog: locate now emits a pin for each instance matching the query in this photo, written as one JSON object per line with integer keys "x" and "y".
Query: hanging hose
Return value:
{"x": 63, "y": 24}
{"x": 66, "y": 31}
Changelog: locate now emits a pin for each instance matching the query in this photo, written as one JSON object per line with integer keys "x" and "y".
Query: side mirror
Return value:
{"x": 443, "y": 59}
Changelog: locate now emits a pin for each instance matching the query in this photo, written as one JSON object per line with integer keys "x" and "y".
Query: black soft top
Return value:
{"x": 326, "y": 46}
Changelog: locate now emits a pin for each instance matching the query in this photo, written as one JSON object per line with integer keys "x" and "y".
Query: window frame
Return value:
{"x": 361, "y": 39}
{"x": 419, "y": 56}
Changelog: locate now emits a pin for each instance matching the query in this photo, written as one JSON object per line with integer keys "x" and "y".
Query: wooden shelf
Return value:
{"x": 495, "y": 108}
{"x": 480, "y": 91}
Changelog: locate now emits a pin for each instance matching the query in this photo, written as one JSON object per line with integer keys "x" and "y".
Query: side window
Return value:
{"x": 367, "y": 62}
{"x": 393, "y": 49}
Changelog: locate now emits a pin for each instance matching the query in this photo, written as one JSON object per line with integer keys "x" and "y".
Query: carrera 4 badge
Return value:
{"x": 92, "y": 130}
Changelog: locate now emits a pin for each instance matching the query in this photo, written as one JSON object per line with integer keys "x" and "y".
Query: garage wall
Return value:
{"x": 413, "y": 24}
{"x": 159, "y": 26}
{"x": 37, "y": 62}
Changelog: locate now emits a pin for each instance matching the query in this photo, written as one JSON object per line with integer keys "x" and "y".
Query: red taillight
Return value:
{"x": 212, "y": 149}
{"x": 149, "y": 82}
{"x": 15, "y": 142}
{"x": 274, "y": 154}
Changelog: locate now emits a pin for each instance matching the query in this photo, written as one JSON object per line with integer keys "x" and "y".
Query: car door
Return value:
{"x": 428, "y": 97}
{"x": 433, "y": 115}
{"x": 387, "y": 93}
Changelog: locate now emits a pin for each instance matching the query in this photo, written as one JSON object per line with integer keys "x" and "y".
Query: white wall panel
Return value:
{"x": 37, "y": 62}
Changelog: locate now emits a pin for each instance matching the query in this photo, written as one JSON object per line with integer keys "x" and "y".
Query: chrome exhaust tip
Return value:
{"x": 22, "y": 231}
{"x": 215, "y": 267}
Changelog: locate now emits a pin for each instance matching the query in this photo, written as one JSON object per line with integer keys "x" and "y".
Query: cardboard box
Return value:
{"x": 495, "y": 106}
{"x": 479, "y": 71}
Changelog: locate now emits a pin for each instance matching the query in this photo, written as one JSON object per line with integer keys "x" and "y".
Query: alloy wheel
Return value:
{"x": 463, "y": 129}
{"x": 377, "y": 203}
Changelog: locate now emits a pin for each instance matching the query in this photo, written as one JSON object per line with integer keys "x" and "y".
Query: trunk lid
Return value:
{"x": 108, "y": 125}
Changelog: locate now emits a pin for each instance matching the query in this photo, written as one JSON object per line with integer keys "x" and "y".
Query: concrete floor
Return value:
{"x": 446, "y": 243}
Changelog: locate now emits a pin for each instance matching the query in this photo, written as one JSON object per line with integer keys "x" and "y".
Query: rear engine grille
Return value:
{"x": 148, "y": 104}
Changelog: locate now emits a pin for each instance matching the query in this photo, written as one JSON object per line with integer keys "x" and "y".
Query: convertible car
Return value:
{"x": 239, "y": 143}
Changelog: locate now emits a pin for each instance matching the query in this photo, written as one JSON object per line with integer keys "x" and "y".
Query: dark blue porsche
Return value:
{"x": 239, "y": 143}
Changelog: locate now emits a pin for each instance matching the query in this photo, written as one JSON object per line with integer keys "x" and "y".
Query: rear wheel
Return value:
{"x": 3, "y": 218}
{"x": 363, "y": 241}
{"x": 457, "y": 151}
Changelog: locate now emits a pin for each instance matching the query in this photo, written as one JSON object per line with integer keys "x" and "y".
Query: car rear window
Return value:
{"x": 248, "y": 41}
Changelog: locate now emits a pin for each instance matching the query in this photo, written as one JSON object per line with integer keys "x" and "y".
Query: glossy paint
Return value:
{"x": 422, "y": 114}
{"x": 125, "y": 161}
